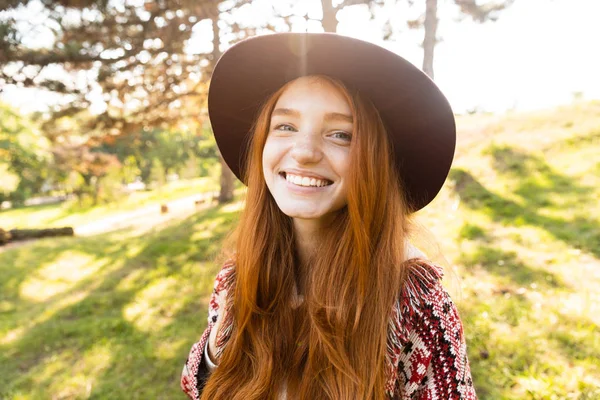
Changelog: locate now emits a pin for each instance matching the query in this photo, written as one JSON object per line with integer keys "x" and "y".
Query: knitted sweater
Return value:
{"x": 426, "y": 351}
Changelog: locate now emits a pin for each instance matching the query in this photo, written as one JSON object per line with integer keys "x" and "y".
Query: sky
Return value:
{"x": 539, "y": 53}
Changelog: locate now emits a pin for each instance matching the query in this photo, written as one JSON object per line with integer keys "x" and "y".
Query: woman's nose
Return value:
{"x": 307, "y": 151}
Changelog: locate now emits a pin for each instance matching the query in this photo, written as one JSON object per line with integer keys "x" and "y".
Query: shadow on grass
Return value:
{"x": 506, "y": 306}
{"x": 538, "y": 182}
{"x": 578, "y": 339}
{"x": 506, "y": 264}
{"x": 494, "y": 364}
{"x": 541, "y": 352}
{"x": 507, "y": 337}
{"x": 580, "y": 140}
{"x": 539, "y": 186}
{"x": 142, "y": 308}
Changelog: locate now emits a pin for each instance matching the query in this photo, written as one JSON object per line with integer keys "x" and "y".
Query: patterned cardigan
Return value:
{"x": 426, "y": 352}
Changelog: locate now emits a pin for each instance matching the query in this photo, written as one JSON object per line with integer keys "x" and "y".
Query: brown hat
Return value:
{"x": 417, "y": 116}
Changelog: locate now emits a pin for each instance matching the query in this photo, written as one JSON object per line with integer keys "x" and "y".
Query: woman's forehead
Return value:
{"x": 314, "y": 90}
{"x": 313, "y": 81}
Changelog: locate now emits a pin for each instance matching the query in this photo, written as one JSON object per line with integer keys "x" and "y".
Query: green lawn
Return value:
{"x": 107, "y": 317}
{"x": 113, "y": 316}
{"x": 519, "y": 222}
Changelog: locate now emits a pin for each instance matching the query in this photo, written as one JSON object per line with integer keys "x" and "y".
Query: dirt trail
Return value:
{"x": 141, "y": 220}
{"x": 145, "y": 217}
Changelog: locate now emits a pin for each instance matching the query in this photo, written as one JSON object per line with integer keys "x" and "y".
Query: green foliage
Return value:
{"x": 74, "y": 166}
{"x": 110, "y": 187}
{"x": 191, "y": 168}
{"x": 469, "y": 231}
{"x": 130, "y": 170}
{"x": 157, "y": 173}
{"x": 24, "y": 152}
{"x": 172, "y": 148}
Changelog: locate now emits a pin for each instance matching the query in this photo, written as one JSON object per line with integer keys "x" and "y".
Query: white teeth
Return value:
{"x": 305, "y": 181}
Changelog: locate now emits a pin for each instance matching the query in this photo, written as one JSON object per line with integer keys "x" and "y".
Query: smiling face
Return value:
{"x": 306, "y": 156}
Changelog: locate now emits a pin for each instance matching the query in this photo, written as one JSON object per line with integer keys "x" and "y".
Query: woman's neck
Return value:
{"x": 308, "y": 234}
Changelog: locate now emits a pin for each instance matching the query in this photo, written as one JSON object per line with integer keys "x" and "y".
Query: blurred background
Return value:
{"x": 114, "y": 201}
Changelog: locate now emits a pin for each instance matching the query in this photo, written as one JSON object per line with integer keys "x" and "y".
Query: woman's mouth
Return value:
{"x": 306, "y": 181}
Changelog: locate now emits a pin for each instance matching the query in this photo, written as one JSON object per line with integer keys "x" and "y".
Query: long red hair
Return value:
{"x": 333, "y": 346}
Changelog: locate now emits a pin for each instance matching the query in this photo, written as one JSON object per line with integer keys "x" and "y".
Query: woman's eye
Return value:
{"x": 284, "y": 127}
{"x": 341, "y": 135}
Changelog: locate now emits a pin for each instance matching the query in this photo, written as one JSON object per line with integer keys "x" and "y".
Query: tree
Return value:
{"x": 227, "y": 180}
{"x": 428, "y": 20}
{"x": 172, "y": 147}
{"x": 24, "y": 152}
{"x": 129, "y": 62}
{"x": 286, "y": 10}
{"x": 429, "y": 40}
{"x": 91, "y": 165}
{"x": 469, "y": 8}
{"x": 157, "y": 174}
{"x": 330, "y": 11}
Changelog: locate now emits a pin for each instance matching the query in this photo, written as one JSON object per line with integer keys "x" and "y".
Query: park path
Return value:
{"x": 146, "y": 217}
{"x": 140, "y": 220}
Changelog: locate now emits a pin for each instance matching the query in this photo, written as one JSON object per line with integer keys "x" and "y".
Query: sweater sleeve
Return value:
{"x": 434, "y": 362}
{"x": 198, "y": 366}
{"x": 210, "y": 365}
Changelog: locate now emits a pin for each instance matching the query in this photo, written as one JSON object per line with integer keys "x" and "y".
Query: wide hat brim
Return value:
{"x": 418, "y": 117}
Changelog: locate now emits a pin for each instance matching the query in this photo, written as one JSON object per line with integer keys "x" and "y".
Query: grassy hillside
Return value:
{"x": 519, "y": 222}
{"x": 112, "y": 316}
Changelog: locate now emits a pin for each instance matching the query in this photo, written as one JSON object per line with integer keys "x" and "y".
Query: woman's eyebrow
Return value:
{"x": 285, "y": 112}
{"x": 339, "y": 117}
{"x": 290, "y": 112}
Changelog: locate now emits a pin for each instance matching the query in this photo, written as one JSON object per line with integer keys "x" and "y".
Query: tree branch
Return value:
{"x": 484, "y": 12}
{"x": 347, "y": 3}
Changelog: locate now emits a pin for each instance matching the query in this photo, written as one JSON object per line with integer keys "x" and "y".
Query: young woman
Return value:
{"x": 339, "y": 141}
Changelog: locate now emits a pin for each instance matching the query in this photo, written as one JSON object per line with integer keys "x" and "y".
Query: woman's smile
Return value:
{"x": 304, "y": 180}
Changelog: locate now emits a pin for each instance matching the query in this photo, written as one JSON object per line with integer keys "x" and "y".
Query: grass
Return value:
{"x": 519, "y": 223}
{"x": 107, "y": 317}
{"x": 113, "y": 316}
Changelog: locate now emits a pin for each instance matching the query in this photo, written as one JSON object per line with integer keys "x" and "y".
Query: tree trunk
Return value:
{"x": 329, "y": 21}
{"x": 144, "y": 167}
{"x": 24, "y": 234}
{"x": 429, "y": 40}
{"x": 84, "y": 189}
{"x": 4, "y": 237}
{"x": 227, "y": 177}
{"x": 227, "y": 183}
{"x": 97, "y": 189}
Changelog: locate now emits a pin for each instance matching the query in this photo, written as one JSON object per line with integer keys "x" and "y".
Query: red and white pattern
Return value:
{"x": 189, "y": 375}
{"x": 426, "y": 357}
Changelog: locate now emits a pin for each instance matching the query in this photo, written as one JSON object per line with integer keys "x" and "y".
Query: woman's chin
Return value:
{"x": 298, "y": 212}
{"x": 308, "y": 214}
{"x": 295, "y": 214}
